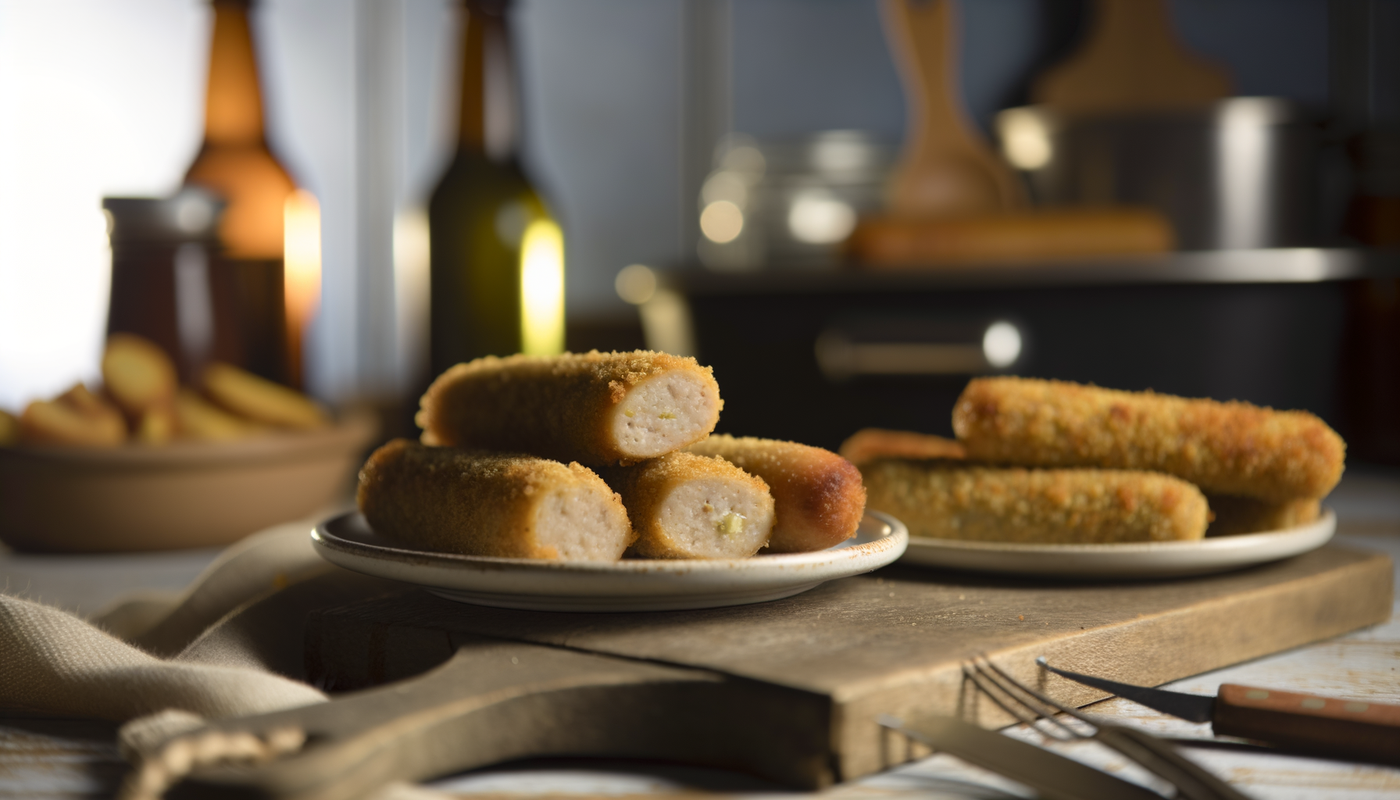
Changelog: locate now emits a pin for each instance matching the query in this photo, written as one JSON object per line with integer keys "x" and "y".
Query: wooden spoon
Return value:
{"x": 946, "y": 167}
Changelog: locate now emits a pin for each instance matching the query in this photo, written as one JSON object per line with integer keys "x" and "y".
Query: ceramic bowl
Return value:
{"x": 179, "y": 495}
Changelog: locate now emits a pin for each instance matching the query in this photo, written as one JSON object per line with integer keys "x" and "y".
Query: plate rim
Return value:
{"x": 794, "y": 569}
{"x": 1228, "y": 552}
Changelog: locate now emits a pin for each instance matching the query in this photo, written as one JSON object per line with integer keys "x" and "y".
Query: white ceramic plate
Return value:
{"x": 627, "y": 585}
{"x": 1130, "y": 561}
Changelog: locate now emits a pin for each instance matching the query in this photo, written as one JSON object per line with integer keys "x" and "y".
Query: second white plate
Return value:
{"x": 627, "y": 585}
{"x": 1128, "y": 560}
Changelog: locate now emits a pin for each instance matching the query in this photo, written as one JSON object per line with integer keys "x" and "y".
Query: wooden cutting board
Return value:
{"x": 789, "y": 690}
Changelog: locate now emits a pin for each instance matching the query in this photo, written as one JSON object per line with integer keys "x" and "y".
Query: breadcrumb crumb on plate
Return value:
{"x": 1123, "y": 561}
{"x": 626, "y": 585}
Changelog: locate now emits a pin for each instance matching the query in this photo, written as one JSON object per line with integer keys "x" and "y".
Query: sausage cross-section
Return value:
{"x": 491, "y": 504}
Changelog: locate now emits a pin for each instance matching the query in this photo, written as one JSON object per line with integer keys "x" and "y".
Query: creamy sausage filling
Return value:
{"x": 581, "y": 524}
{"x": 715, "y": 518}
{"x": 663, "y": 413}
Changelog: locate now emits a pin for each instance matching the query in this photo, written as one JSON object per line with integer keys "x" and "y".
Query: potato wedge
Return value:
{"x": 198, "y": 419}
{"x": 261, "y": 400}
{"x": 9, "y": 428}
{"x": 76, "y": 417}
{"x": 137, "y": 375}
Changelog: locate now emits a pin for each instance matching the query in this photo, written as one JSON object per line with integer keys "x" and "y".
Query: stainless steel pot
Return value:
{"x": 1238, "y": 174}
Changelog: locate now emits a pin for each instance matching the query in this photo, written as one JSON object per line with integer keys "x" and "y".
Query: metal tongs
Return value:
{"x": 1151, "y": 752}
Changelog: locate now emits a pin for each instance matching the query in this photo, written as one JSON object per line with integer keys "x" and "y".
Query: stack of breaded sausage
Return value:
{"x": 595, "y": 456}
{"x": 1049, "y": 461}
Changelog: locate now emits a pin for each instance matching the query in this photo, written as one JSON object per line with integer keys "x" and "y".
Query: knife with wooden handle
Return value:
{"x": 1351, "y": 729}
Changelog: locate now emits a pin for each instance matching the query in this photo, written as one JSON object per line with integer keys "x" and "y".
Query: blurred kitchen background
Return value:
{"x": 709, "y": 161}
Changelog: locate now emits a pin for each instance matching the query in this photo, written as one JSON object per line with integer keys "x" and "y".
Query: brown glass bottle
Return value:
{"x": 235, "y": 163}
{"x": 484, "y": 212}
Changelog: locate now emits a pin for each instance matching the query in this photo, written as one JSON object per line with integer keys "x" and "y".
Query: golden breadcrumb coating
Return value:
{"x": 599, "y": 409}
{"x": 1231, "y": 516}
{"x": 688, "y": 506}
{"x": 490, "y": 504}
{"x": 818, "y": 495}
{"x": 869, "y": 444}
{"x": 956, "y": 500}
{"x": 1227, "y": 448}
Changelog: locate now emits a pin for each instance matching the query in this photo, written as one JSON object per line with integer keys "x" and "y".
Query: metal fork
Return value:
{"x": 1151, "y": 752}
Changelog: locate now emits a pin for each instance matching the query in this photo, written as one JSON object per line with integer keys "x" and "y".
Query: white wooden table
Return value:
{"x": 66, "y": 758}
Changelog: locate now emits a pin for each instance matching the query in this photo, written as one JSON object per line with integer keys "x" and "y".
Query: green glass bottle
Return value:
{"x": 496, "y": 253}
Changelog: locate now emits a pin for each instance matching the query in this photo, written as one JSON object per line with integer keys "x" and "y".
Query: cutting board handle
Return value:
{"x": 498, "y": 701}
{"x": 1350, "y": 728}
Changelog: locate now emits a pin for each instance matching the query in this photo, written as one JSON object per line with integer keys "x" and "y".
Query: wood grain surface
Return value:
{"x": 893, "y": 642}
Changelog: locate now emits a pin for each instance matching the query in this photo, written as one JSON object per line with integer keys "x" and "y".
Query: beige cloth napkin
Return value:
{"x": 230, "y": 646}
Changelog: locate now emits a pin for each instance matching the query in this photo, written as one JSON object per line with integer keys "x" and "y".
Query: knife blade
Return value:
{"x": 1352, "y": 729}
{"x": 1051, "y": 775}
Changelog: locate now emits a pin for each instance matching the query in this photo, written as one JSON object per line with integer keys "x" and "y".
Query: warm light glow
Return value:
{"x": 412, "y": 259}
{"x": 725, "y": 185}
{"x": 301, "y": 273}
{"x": 635, "y": 283}
{"x": 1024, "y": 139}
{"x": 721, "y": 222}
{"x": 301, "y": 279}
{"x": 1001, "y": 344}
{"x": 542, "y": 289}
{"x": 666, "y": 324}
{"x": 820, "y": 219}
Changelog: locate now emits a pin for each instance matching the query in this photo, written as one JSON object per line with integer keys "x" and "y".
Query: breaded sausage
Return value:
{"x": 1232, "y": 516}
{"x": 488, "y": 504}
{"x": 600, "y": 409}
{"x": 1227, "y": 448}
{"x": 869, "y": 444}
{"x": 954, "y": 500}
{"x": 817, "y": 495}
{"x": 688, "y": 506}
